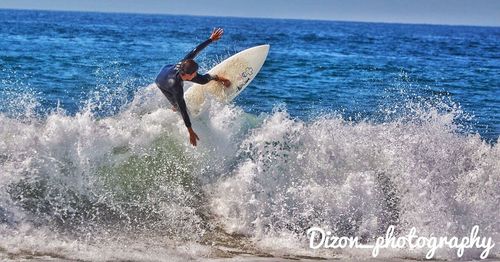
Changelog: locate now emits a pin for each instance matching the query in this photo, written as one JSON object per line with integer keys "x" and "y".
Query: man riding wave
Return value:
{"x": 171, "y": 79}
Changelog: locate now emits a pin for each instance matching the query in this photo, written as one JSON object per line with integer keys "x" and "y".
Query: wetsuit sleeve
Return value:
{"x": 202, "y": 79}
{"x": 181, "y": 103}
{"x": 197, "y": 50}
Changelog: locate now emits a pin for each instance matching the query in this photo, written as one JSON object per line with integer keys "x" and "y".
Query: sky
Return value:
{"x": 454, "y": 12}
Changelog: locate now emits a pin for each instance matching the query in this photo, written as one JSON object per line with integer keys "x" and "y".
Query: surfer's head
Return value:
{"x": 188, "y": 69}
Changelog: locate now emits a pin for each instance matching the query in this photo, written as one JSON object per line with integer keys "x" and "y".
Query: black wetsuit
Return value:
{"x": 171, "y": 84}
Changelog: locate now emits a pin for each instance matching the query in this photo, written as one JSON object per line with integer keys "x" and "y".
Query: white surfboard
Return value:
{"x": 240, "y": 69}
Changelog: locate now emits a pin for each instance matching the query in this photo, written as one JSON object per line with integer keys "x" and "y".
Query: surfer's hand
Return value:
{"x": 216, "y": 34}
{"x": 224, "y": 81}
{"x": 192, "y": 136}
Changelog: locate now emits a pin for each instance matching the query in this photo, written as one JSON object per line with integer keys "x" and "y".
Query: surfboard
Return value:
{"x": 241, "y": 68}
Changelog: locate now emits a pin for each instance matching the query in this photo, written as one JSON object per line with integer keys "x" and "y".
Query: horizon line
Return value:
{"x": 249, "y": 17}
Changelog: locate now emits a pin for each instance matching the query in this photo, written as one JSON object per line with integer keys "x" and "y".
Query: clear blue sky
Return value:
{"x": 463, "y": 12}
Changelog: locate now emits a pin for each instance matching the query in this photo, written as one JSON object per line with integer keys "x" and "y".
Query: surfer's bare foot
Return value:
{"x": 174, "y": 109}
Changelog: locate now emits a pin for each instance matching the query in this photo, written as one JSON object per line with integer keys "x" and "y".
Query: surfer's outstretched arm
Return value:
{"x": 204, "y": 79}
{"x": 197, "y": 50}
{"x": 193, "y": 137}
{"x": 216, "y": 35}
{"x": 181, "y": 103}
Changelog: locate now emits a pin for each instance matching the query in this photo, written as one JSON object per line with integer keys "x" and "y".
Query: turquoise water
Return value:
{"x": 348, "y": 126}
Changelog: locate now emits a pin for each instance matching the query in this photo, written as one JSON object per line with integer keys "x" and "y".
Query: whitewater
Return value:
{"x": 130, "y": 187}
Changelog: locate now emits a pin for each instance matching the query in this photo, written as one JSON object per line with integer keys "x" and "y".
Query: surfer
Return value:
{"x": 171, "y": 79}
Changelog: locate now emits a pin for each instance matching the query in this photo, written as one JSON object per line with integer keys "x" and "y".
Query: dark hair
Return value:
{"x": 188, "y": 67}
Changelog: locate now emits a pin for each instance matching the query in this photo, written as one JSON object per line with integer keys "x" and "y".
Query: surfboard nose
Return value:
{"x": 256, "y": 55}
{"x": 263, "y": 48}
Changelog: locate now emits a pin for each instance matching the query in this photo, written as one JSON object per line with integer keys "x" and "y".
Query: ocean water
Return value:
{"x": 349, "y": 126}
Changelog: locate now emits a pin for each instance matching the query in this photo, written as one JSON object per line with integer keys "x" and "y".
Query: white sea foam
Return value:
{"x": 358, "y": 178}
{"x": 80, "y": 186}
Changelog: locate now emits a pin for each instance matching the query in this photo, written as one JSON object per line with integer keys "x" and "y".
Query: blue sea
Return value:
{"x": 349, "y": 126}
